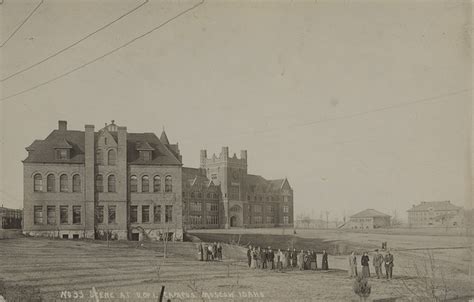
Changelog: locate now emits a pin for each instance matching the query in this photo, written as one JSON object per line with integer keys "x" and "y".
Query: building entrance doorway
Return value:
{"x": 233, "y": 221}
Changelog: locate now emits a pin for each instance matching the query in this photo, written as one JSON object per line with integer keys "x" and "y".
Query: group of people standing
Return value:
{"x": 267, "y": 258}
{"x": 210, "y": 252}
{"x": 378, "y": 261}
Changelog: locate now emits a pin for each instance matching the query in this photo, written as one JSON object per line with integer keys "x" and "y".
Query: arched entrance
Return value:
{"x": 233, "y": 221}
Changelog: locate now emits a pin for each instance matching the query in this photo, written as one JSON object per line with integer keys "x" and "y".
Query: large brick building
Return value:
{"x": 435, "y": 213}
{"x": 132, "y": 185}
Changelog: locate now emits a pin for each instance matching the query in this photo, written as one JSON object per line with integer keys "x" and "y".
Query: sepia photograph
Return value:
{"x": 236, "y": 150}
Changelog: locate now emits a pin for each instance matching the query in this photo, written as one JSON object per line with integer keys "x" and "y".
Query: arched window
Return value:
{"x": 112, "y": 156}
{"x": 63, "y": 185}
{"x": 111, "y": 183}
{"x": 76, "y": 183}
{"x": 50, "y": 183}
{"x": 133, "y": 183}
{"x": 157, "y": 183}
{"x": 38, "y": 182}
{"x": 168, "y": 183}
{"x": 99, "y": 183}
{"x": 145, "y": 184}
{"x": 99, "y": 157}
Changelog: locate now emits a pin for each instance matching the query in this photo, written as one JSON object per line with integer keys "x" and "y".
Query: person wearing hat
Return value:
{"x": 365, "y": 265}
{"x": 388, "y": 265}
{"x": 271, "y": 258}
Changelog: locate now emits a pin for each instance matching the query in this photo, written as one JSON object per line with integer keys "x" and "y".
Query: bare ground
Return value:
{"x": 64, "y": 270}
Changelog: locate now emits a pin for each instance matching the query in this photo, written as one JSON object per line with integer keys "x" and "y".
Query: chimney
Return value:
{"x": 62, "y": 125}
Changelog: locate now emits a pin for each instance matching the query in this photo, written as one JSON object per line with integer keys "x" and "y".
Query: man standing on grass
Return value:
{"x": 249, "y": 255}
{"x": 378, "y": 261}
{"x": 388, "y": 265}
{"x": 264, "y": 258}
{"x": 270, "y": 257}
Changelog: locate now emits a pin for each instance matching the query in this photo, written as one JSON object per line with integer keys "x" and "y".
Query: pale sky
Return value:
{"x": 299, "y": 84}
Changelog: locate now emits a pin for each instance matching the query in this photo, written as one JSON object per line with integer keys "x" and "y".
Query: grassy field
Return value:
{"x": 34, "y": 269}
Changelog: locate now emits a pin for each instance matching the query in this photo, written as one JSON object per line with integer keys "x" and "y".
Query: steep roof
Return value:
{"x": 195, "y": 177}
{"x": 164, "y": 138}
{"x": 258, "y": 183}
{"x": 369, "y": 213}
{"x": 43, "y": 151}
{"x": 435, "y": 205}
{"x": 161, "y": 155}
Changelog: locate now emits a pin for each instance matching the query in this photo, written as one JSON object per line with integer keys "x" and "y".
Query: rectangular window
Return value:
{"x": 270, "y": 209}
{"x": 270, "y": 219}
{"x": 195, "y": 206}
{"x": 133, "y": 214}
{"x": 64, "y": 214}
{"x": 257, "y": 208}
{"x": 112, "y": 214}
{"x": 99, "y": 214}
{"x": 211, "y": 207}
{"x": 234, "y": 192}
{"x": 258, "y": 220}
{"x": 76, "y": 214}
{"x": 145, "y": 214}
{"x": 169, "y": 214}
{"x": 214, "y": 176}
{"x": 285, "y": 209}
{"x": 212, "y": 219}
{"x": 285, "y": 198}
{"x": 38, "y": 214}
{"x": 61, "y": 154}
{"x": 195, "y": 219}
{"x": 285, "y": 220}
{"x": 157, "y": 214}
{"x": 51, "y": 214}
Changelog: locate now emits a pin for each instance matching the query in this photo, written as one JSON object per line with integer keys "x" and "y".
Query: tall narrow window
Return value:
{"x": 38, "y": 183}
{"x": 145, "y": 184}
{"x": 168, "y": 183}
{"x": 111, "y": 183}
{"x": 145, "y": 214}
{"x": 112, "y": 157}
{"x": 157, "y": 213}
{"x": 133, "y": 214}
{"x": 63, "y": 185}
{"x": 76, "y": 214}
{"x": 112, "y": 214}
{"x": 76, "y": 183}
{"x": 38, "y": 215}
{"x": 99, "y": 183}
{"x": 99, "y": 214}
{"x": 169, "y": 214}
{"x": 50, "y": 183}
{"x": 157, "y": 183}
{"x": 99, "y": 157}
{"x": 133, "y": 183}
{"x": 51, "y": 214}
{"x": 64, "y": 214}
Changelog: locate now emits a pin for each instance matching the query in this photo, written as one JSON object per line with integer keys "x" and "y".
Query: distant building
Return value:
{"x": 368, "y": 219}
{"x": 10, "y": 218}
{"x": 310, "y": 223}
{"x": 435, "y": 213}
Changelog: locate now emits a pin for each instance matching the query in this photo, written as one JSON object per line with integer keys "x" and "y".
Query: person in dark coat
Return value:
{"x": 294, "y": 257}
{"x": 324, "y": 263}
{"x": 200, "y": 255}
{"x": 249, "y": 254}
{"x": 365, "y": 265}
{"x": 264, "y": 258}
{"x": 314, "y": 260}
{"x": 219, "y": 251}
{"x": 271, "y": 256}
{"x": 388, "y": 265}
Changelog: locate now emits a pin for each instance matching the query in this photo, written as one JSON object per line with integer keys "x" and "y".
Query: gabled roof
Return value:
{"x": 43, "y": 151}
{"x": 260, "y": 184}
{"x": 435, "y": 206}
{"x": 369, "y": 213}
{"x": 194, "y": 178}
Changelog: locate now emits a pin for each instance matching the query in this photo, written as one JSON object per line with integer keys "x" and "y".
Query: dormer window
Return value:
{"x": 62, "y": 154}
{"x": 145, "y": 155}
